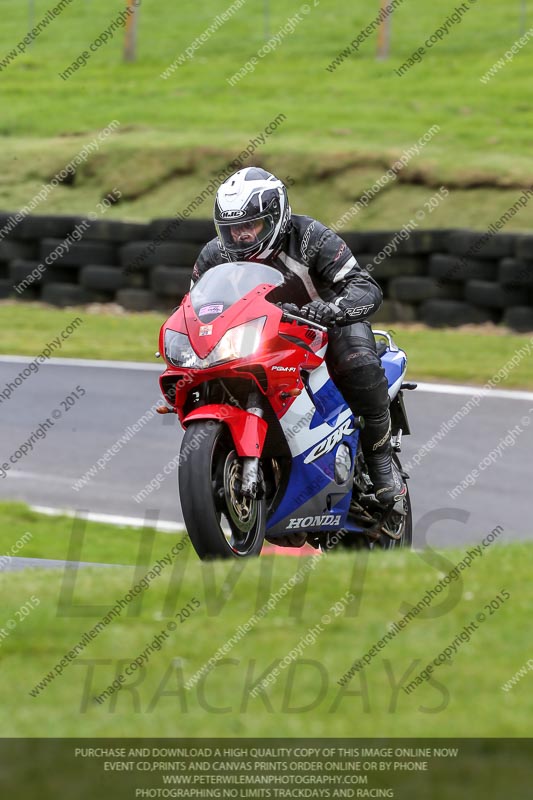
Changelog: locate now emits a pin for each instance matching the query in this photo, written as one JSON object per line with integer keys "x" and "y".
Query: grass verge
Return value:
{"x": 154, "y": 702}
{"x": 177, "y": 132}
{"x": 65, "y": 538}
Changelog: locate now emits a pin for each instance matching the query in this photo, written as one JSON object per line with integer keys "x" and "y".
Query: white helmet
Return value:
{"x": 252, "y": 214}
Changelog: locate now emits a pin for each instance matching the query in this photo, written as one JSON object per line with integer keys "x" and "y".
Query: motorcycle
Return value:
{"x": 271, "y": 450}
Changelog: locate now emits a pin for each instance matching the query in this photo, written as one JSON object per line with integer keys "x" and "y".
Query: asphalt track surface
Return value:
{"x": 117, "y": 397}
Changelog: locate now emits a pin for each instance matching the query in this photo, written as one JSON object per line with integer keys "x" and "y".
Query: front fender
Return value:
{"x": 248, "y": 431}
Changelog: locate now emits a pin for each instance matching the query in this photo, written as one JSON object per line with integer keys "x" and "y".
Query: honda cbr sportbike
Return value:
{"x": 271, "y": 450}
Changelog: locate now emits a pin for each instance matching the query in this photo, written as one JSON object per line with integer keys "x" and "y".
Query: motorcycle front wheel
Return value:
{"x": 221, "y": 523}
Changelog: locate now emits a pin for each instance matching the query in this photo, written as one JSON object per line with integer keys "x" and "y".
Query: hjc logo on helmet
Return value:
{"x": 233, "y": 214}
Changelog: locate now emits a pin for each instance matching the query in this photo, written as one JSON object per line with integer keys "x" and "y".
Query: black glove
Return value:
{"x": 291, "y": 308}
{"x": 320, "y": 312}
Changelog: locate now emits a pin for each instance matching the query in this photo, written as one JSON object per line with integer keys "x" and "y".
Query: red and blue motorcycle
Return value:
{"x": 271, "y": 450}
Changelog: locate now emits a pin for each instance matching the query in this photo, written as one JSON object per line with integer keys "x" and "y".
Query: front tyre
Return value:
{"x": 221, "y": 522}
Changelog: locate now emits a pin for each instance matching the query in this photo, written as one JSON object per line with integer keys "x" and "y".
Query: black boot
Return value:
{"x": 365, "y": 390}
{"x": 375, "y": 440}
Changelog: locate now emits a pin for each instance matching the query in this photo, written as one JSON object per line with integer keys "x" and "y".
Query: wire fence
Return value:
{"x": 384, "y": 32}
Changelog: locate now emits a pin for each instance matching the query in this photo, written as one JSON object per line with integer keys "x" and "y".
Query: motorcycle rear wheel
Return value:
{"x": 401, "y": 525}
{"x": 220, "y": 522}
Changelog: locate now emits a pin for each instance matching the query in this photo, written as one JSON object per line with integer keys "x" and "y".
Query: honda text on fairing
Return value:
{"x": 271, "y": 449}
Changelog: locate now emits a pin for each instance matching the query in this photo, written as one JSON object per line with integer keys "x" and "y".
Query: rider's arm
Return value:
{"x": 341, "y": 279}
{"x": 210, "y": 256}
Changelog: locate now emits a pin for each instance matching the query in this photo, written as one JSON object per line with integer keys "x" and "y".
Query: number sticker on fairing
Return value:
{"x": 212, "y": 308}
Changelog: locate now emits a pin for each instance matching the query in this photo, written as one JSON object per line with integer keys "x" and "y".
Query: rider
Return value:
{"x": 254, "y": 222}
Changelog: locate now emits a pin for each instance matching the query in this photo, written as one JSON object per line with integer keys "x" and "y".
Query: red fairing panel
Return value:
{"x": 247, "y": 430}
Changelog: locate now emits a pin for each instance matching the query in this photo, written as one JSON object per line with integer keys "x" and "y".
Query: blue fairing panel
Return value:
{"x": 329, "y": 404}
{"x": 310, "y": 485}
{"x": 394, "y": 364}
{"x": 311, "y": 490}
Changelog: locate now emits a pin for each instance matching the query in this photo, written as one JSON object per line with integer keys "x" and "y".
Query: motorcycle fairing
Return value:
{"x": 248, "y": 431}
{"x": 311, "y": 490}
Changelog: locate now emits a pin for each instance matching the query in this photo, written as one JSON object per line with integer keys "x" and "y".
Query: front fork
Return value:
{"x": 251, "y": 483}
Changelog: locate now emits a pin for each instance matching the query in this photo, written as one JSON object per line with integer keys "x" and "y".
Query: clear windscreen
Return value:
{"x": 222, "y": 286}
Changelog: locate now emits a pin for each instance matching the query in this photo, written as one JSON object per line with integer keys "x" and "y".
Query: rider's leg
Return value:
{"x": 356, "y": 369}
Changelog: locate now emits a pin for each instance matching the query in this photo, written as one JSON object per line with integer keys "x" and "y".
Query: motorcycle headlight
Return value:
{"x": 239, "y": 342}
{"x": 179, "y": 352}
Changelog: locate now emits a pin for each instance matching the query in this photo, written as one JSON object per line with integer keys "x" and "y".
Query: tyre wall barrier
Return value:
{"x": 438, "y": 277}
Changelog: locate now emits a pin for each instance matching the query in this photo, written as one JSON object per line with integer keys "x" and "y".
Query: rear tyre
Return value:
{"x": 398, "y": 525}
{"x": 221, "y": 522}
